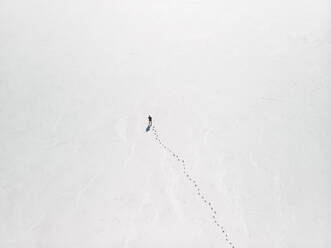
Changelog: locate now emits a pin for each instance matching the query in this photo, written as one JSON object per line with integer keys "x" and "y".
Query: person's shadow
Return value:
{"x": 148, "y": 127}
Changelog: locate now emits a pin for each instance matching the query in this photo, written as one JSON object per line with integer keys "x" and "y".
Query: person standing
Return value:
{"x": 150, "y": 120}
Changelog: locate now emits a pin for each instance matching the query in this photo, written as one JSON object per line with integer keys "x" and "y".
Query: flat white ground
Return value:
{"x": 239, "y": 89}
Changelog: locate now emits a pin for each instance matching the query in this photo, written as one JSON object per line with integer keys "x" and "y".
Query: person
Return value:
{"x": 150, "y": 120}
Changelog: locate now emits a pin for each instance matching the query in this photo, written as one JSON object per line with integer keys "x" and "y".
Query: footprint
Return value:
{"x": 156, "y": 137}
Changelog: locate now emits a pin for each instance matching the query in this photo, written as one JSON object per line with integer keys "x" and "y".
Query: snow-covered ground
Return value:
{"x": 240, "y": 90}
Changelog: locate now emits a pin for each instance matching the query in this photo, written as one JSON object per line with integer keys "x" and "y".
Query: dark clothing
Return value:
{"x": 150, "y": 120}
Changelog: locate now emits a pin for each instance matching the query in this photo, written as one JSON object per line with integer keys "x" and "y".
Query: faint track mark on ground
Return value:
{"x": 196, "y": 187}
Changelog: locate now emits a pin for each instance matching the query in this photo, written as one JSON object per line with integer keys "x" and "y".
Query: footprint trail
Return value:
{"x": 196, "y": 187}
